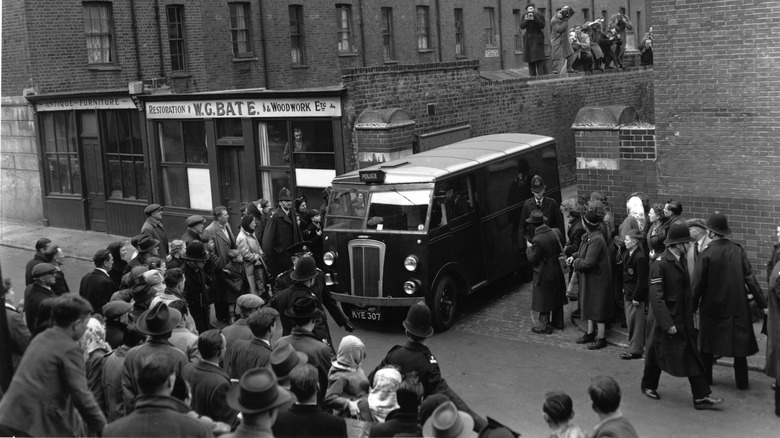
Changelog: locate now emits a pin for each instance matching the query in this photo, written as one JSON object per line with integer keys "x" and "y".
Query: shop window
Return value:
{"x": 344, "y": 26}
{"x": 388, "y": 39}
{"x": 296, "y": 35}
{"x": 460, "y": 40}
{"x": 184, "y": 164}
{"x": 490, "y": 27}
{"x": 124, "y": 152}
{"x": 423, "y": 28}
{"x": 60, "y": 139}
{"x": 175, "y": 15}
{"x": 239, "y": 30}
{"x": 99, "y": 32}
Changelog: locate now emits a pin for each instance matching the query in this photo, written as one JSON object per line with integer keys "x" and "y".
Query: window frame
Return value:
{"x": 345, "y": 43}
{"x": 388, "y": 35}
{"x": 585, "y": 15}
{"x": 460, "y": 33}
{"x": 68, "y": 150}
{"x": 518, "y": 34}
{"x": 183, "y": 164}
{"x": 89, "y": 34}
{"x": 423, "y": 21}
{"x": 297, "y": 36}
{"x": 235, "y": 32}
{"x": 135, "y": 156}
{"x": 180, "y": 40}
{"x": 489, "y": 15}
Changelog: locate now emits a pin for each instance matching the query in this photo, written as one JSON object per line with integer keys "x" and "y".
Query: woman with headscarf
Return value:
{"x": 251, "y": 252}
{"x": 94, "y": 345}
{"x": 174, "y": 260}
{"x": 347, "y": 383}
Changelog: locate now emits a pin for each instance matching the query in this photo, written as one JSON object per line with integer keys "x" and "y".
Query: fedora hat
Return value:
{"x": 305, "y": 269}
{"x": 283, "y": 359}
{"x": 448, "y": 422}
{"x": 536, "y": 218}
{"x": 195, "y": 251}
{"x": 257, "y": 391}
{"x": 142, "y": 291}
{"x": 537, "y": 184}
{"x": 678, "y": 233}
{"x": 146, "y": 243}
{"x": 718, "y": 224}
{"x": 303, "y": 308}
{"x": 158, "y": 320}
{"x": 285, "y": 195}
{"x": 418, "y": 320}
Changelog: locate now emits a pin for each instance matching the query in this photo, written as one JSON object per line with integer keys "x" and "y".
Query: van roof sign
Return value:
{"x": 372, "y": 176}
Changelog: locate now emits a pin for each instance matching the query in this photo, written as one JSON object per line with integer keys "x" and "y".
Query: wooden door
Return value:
{"x": 230, "y": 165}
{"x": 95, "y": 185}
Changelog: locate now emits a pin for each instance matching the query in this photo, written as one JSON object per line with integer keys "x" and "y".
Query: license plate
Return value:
{"x": 366, "y": 315}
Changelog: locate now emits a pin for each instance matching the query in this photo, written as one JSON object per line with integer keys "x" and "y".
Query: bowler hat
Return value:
{"x": 418, "y": 320}
{"x": 249, "y": 301}
{"x": 299, "y": 248}
{"x": 115, "y": 309}
{"x": 447, "y": 421}
{"x": 283, "y": 359}
{"x": 537, "y": 217}
{"x": 146, "y": 244}
{"x": 194, "y": 220}
{"x": 537, "y": 184}
{"x": 285, "y": 195}
{"x": 305, "y": 269}
{"x": 151, "y": 208}
{"x": 303, "y": 308}
{"x": 158, "y": 320}
{"x": 696, "y": 223}
{"x": 42, "y": 269}
{"x": 678, "y": 233}
{"x": 257, "y": 391}
{"x": 195, "y": 251}
{"x": 718, "y": 224}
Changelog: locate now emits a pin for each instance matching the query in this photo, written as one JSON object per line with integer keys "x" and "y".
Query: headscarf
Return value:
{"x": 351, "y": 353}
{"x": 637, "y": 211}
{"x": 246, "y": 221}
{"x": 94, "y": 338}
{"x": 382, "y": 399}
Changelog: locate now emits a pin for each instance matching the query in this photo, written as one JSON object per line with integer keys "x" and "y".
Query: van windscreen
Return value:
{"x": 403, "y": 210}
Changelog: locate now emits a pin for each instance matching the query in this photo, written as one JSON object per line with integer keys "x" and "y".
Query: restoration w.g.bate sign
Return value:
{"x": 230, "y": 108}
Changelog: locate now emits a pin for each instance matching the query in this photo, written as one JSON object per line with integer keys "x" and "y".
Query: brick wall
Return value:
{"x": 20, "y": 184}
{"x": 541, "y": 106}
{"x": 717, "y": 115}
{"x": 16, "y": 73}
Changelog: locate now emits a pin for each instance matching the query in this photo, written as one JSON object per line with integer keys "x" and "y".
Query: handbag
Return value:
{"x": 562, "y": 257}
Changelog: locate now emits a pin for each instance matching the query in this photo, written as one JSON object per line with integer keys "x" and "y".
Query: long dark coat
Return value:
{"x": 533, "y": 40}
{"x": 154, "y": 229}
{"x": 209, "y": 391}
{"x": 773, "y": 331}
{"x": 97, "y": 287}
{"x": 549, "y": 284}
{"x": 594, "y": 267}
{"x": 722, "y": 279}
{"x": 280, "y": 233}
{"x": 550, "y": 210}
{"x": 671, "y": 302}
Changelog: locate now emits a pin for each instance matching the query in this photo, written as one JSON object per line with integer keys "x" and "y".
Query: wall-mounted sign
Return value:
{"x": 491, "y": 53}
{"x": 86, "y": 103}
{"x": 232, "y": 108}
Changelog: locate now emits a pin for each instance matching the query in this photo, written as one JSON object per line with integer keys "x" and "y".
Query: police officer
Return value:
{"x": 415, "y": 356}
{"x": 547, "y": 205}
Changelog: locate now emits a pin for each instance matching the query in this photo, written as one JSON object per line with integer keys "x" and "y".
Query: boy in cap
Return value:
{"x": 38, "y": 291}
{"x": 153, "y": 227}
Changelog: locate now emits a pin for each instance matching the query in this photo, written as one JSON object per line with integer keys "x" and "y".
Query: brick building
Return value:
{"x": 109, "y": 105}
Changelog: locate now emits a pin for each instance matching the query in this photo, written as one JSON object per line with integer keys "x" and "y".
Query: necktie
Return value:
{"x": 696, "y": 251}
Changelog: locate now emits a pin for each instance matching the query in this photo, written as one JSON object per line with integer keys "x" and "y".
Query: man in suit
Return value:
{"x": 208, "y": 383}
{"x": 48, "y": 395}
{"x": 698, "y": 231}
{"x": 548, "y": 206}
{"x": 224, "y": 240}
{"x": 605, "y": 394}
{"x": 245, "y": 354}
{"x": 153, "y": 227}
{"x": 37, "y": 292}
{"x": 305, "y": 418}
{"x": 280, "y": 233}
{"x": 97, "y": 286}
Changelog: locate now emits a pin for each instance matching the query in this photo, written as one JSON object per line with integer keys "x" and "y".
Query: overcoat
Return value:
{"x": 209, "y": 386}
{"x": 592, "y": 263}
{"x": 244, "y": 355}
{"x": 222, "y": 243}
{"x": 158, "y": 416}
{"x": 559, "y": 38}
{"x": 97, "y": 287}
{"x": 280, "y": 233}
{"x": 303, "y": 421}
{"x": 575, "y": 233}
{"x": 722, "y": 279}
{"x": 19, "y": 333}
{"x": 533, "y": 40}
{"x": 773, "y": 332}
{"x": 34, "y": 295}
{"x": 154, "y": 229}
{"x": 133, "y": 360}
{"x": 671, "y": 301}
{"x": 550, "y": 210}
{"x": 319, "y": 354}
{"x": 549, "y": 291}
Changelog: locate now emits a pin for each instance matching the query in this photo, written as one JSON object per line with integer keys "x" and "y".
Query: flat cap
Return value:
{"x": 151, "y": 208}
{"x": 115, "y": 309}
{"x": 194, "y": 220}
{"x": 249, "y": 301}
{"x": 42, "y": 269}
{"x": 696, "y": 223}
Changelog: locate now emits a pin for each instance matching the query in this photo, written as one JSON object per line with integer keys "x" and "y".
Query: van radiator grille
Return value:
{"x": 367, "y": 258}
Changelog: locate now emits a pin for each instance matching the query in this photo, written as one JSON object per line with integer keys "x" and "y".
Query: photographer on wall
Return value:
{"x": 620, "y": 22}
{"x": 533, "y": 41}
{"x": 562, "y": 53}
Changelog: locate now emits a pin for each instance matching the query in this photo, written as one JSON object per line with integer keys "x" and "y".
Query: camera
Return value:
{"x": 529, "y": 16}
{"x": 567, "y": 12}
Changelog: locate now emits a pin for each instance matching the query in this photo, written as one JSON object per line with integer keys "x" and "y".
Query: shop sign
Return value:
{"x": 233, "y": 108}
{"x": 86, "y": 103}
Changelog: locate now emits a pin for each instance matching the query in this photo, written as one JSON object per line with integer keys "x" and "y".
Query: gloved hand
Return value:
{"x": 354, "y": 410}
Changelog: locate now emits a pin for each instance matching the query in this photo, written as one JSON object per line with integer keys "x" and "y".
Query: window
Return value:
{"x": 460, "y": 41}
{"x": 585, "y": 15}
{"x": 423, "y": 28}
{"x": 60, "y": 140}
{"x": 184, "y": 163}
{"x": 490, "y": 26}
{"x": 296, "y": 35}
{"x": 517, "y": 14}
{"x": 239, "y": 29}
{"x": 638, "y": 26}
{"x": 344, "y": 26}
{"x": 388, "y": 41}
{"x": 124, "y": 152}
{"x": 175, "y": 14}
{"x": 100, "y": 33}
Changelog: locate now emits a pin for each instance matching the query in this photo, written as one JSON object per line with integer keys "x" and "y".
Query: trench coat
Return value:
{"x": 773, "y": 332}
{"x": 222, "y": 243}
{"x": 549, "y": 291}
{"x": 594, "y": 266}
{"x": 533, "y": 40}
{"x": 280, "y": 233}
{"x": 722, "y": 279}
{"x": 559, "y": 38}
{"x": 671, "y": 303}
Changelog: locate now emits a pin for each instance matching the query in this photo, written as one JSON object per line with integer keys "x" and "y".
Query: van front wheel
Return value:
{"x": 444, "y": 303}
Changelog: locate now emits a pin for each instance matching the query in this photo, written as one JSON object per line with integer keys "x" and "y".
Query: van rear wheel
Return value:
{"x": 445, "y": 303}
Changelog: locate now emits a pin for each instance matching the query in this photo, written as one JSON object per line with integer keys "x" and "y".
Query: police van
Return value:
{"x": 433, "y": 226}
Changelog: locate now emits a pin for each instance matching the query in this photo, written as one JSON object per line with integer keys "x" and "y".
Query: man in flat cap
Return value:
{"x": 246, "y": 305}
{"x": 195, "y": 225}
{"x": 39, "y": 291}
{"x": 153, "y": 227}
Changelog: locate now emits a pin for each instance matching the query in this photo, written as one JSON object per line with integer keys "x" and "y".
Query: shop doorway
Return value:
{"x": 229, "y": 162}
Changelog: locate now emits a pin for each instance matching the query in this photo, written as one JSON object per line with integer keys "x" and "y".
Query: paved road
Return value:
{"x": 503, "y": 370}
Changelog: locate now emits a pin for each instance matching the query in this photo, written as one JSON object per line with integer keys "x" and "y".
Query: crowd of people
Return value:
{"x": 593, "y": 45}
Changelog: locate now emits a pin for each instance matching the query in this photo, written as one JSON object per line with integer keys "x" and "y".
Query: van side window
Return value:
{"x": 452, "y": 200}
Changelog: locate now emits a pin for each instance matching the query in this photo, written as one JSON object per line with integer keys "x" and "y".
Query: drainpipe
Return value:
{"x": 159, "y": 36}
{"x": 262, "y": 44}
{"x": 139, "y": 71}
{"x": 362, "y": 34}
{"x": 438, "y": 28}
{"x": 500, "y": 35}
